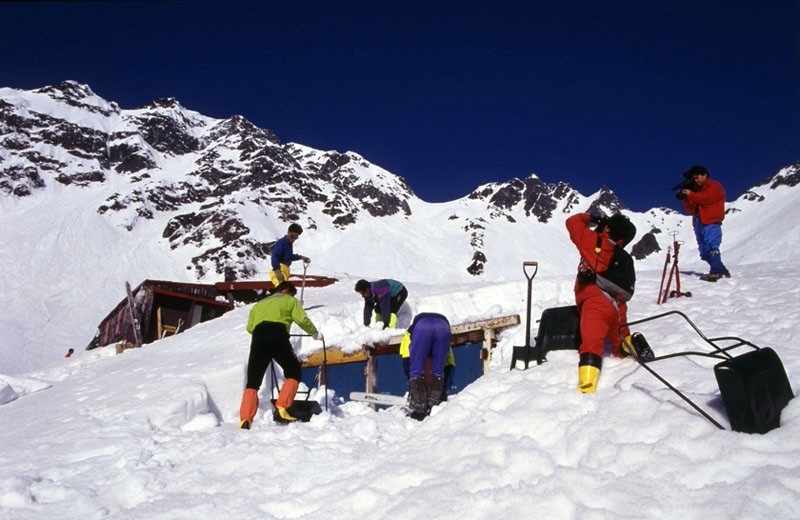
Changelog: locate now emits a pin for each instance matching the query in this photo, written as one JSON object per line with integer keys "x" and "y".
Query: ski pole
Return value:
{"x": 325, "y": 371}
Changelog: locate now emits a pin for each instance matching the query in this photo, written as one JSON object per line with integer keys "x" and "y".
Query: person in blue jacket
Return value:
{"x": 283, "y": 255}
{"x": 385, "y": 297}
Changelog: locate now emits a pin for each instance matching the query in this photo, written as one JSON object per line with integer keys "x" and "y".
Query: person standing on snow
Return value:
{"x": 269, "y": 323}
{"x": 385, "y": 297}
{"x": 601, "y": 302}
{"x": 283, "y": 255}
{"x": 706, "y": 204}
{"x": 429, "y": 337}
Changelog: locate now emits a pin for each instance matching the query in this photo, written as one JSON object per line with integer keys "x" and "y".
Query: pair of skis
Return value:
{"x": 380, "y": 399}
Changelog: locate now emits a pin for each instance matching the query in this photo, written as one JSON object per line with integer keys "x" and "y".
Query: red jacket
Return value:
{"x": 709, "y": 202}
{"x": 586, "y": 241}
{"x": 609, "y": 318}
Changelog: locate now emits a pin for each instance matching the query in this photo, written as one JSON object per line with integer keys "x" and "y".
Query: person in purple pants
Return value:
{"x": 430, "y": 338}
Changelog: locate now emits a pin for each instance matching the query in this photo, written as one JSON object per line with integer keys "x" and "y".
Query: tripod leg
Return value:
{"x": 669, "y": 282}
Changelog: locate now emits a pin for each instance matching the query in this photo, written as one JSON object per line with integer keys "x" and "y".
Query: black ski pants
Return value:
{"x": 270, "y": 342}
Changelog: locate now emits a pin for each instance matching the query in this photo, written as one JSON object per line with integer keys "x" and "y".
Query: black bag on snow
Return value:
{"x": 619, "y": 279}
{"x": 754, "y": 390}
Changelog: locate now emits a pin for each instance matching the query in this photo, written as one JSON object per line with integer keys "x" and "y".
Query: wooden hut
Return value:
{"x": 159, "y": 308}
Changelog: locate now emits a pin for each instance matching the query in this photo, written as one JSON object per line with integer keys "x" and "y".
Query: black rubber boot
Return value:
{"x": 435, "y": 391}
{"x": 417, "y": 398}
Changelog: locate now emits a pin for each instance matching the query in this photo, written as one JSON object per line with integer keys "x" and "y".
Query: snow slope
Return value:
{"x": 152, "y": 433}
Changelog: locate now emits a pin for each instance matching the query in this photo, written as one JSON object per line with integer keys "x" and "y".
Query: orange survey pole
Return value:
{"x": 674, "y": 271}
{"x": 664, "y": 274}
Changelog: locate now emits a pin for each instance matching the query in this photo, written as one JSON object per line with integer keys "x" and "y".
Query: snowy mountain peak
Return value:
{"x": 78, "y": 95}
{"x": 67, "y": 90}
{"x": 789, "y": 176}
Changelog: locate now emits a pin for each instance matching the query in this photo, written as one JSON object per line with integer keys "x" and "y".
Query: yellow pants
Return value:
{"x": 284, "y": 271}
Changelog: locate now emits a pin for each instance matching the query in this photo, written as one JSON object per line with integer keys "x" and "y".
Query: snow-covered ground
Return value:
{"x": 152, "y": 433}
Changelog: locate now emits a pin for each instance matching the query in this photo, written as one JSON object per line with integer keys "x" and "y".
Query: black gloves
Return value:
{"x": 600, "y": 220}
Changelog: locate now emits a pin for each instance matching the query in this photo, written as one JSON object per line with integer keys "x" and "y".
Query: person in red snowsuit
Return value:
{"x": 601, "y": 312}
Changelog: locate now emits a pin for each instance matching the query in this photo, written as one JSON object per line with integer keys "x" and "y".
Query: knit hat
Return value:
{"x": 694, "y": 170}
{"x": 621, "y": 228}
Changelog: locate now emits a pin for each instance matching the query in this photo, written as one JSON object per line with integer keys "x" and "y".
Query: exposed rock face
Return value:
{"x": 789, "y": 176}
{"x": 529, "y": 198}
{"x": 165, "y": 159}
{"x": 646, "y": 246}
{"x": 537, "y": 198}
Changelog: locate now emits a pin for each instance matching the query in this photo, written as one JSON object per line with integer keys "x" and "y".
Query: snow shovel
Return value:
{"x": 753, "y": 386}
{"x": 302, "y": 410}
{"x": 526, "y": 353}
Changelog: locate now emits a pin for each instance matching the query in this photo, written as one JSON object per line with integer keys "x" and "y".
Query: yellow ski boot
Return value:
{"x": 589, "y": 372}
{"x": 284, "y": 414}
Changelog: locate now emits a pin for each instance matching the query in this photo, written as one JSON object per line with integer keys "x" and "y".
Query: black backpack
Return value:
{"x": 619, "y": 279}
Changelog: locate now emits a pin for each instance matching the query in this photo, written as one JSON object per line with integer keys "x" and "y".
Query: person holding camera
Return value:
{"x": 604, "y": 284}
{"x": 704, "y": 199}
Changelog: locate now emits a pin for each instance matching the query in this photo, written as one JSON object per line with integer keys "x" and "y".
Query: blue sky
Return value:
{"x": 451, "y": 95}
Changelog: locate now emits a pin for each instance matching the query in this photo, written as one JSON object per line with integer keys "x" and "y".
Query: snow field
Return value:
{"x": 153, "y": 433}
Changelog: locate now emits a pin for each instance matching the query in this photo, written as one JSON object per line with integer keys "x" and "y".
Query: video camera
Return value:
{"x": 688, "y": 181}
{"x": 686, "y": 184}
{"x": 599, "y": 221}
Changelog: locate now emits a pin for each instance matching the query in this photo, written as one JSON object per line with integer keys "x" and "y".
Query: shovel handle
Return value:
{"x": 303, "y": 286}
{"x": 532, "y": 264}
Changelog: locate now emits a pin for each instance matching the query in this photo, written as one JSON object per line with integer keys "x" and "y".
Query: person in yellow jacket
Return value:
{"x": 269, "y": 323}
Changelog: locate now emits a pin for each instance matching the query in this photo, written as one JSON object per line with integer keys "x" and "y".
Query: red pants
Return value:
{"x": 600, "y": 320}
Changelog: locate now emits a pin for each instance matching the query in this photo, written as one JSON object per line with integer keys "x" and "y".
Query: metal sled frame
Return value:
{"x": 276, "y": 390}
{"x": 720, "y": 352}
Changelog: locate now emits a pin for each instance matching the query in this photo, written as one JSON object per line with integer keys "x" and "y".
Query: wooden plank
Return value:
{"x": 135, "y": 322}
{"x": 335, "y": 357}
{"x": 311, "y": 281}
{"x": 463, "y": 334}
{"x": 190, "y": 297}
{"x": 493, "y": 323}
{"x": 488, "y": 345}
{"x": 371, "y": 376}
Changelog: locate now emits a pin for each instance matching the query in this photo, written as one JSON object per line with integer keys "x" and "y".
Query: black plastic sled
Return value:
{"x": 559, "y": 329}
{"x": 753, "y": 386}
{"x": 302, "y": 410}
